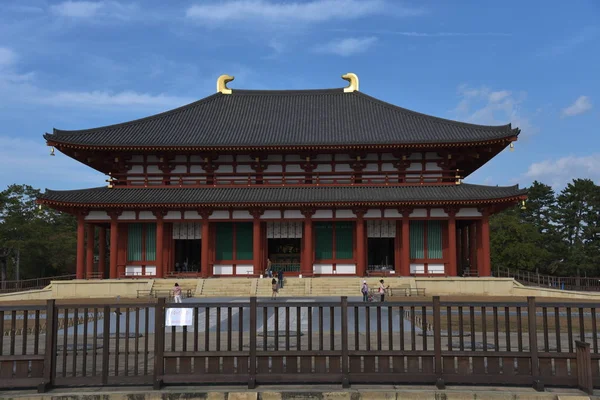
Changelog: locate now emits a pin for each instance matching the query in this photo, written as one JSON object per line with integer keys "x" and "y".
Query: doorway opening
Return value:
{"x": 187, "y": 255}
{"x": 380, "y": 254}
{"x": 284, "y": 254}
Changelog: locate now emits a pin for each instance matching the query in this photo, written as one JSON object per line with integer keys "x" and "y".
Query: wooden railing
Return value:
{"x": 365, "y": 178}
{"x": 31, "y": 284}
{"x": 528, "y": 278}
{"x": 336, "y": 342}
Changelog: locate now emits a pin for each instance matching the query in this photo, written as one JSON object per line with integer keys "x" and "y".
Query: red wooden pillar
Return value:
{"x": 205, "y": 270}
{"x": 405, "y": 250}
{"x": 452, "y": 267}
{"x": 306, "y": 268}
{"x": 398, "y": 248}
{"x": 80, "y": 269}
{"x": 89, "y": 253}
{"x": 160, "y": 234}
{"x": 486, "y": 265}
{"x": 114, "y": 245}
{"x": 361, "y": 267}
{"x": 102, "y": 251}
{"x": 474, "y": 265}
{"x": 464, "y": 241}
{"x": 256, "y": 242}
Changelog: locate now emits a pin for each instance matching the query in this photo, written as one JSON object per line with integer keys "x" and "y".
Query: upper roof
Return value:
{"x": 258, "y": 118}
{"x": 269, "y": 196}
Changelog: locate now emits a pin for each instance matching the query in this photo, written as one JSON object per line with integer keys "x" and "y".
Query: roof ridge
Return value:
{"x": 287, "y": 92}
{"x": 418, "y": 114}
{"x": 163, "y": 114}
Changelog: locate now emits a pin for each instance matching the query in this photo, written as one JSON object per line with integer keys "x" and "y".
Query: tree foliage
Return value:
{"x": 557, "y": 233}
{"x": 34, "y": 242}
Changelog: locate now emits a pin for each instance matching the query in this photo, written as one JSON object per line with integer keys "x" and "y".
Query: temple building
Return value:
{"x": 319, "y": 182}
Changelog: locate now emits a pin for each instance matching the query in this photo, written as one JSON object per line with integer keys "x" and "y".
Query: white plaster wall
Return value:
{"x": 342, "y": 157}
{"x": 438, "y": 212}
{"x": 323, "y": 268}
{"x": 271, "y": 214}
{"x": 244, "y": 158}
{"x": 219, "y": 215}
{"x": 343, "y": 168}
{"x": 274, "y": 168}
{"x": 415, "y": 156}
{"x": 147, "y": 215}
{"x": 137, "y": 158}
{"x": 293, "y": 158}
{"x": 243, "y": 169}
{"x": 416, "y": 166}
{"x": 222, "y": 269}
{"x": 432, "y": 156}
{"x": 323, "y": 214}
{"x": 293, "y": 168}
{"x": 371, "y": 167}
{"x": 275, "y": 157}
{"x": 344, "y": 214}
{"x": 388, "y": 167}
{"x": 153, "y": 169}
{"x": 391, "y": 213}
{"x": 417, "y": 268}
{"x": 150, "y": 270}
{"x": 136, "y": 169}
{"x": 127, "y": 215}
{"x": 228, "y": 168}
{"x": 419, "y": 213}
{"x": 241, "y": 214}
{"x": 181, "y": 169}
{"x": 432, "y": 166}
{"x": 388, "y": 156}
{"x": 193, "y": 158}
{"x": 345, "y": 268}
{"x": 97, "y": 215}
{"x": 133, "y": 270}
{"x": 323, "y": 168}
{"x": 323, "y": 157}
{"x": 435, "y": 268}
{"x": 468, "y": 212}
{"x": 226, "y": 158}
{"x": 292, "y": 214}
{"x": 173, "y": 215}
{"x": 244, "y": 269}
{"x": 191, "y": 215}
{"x": 373, "y": 213}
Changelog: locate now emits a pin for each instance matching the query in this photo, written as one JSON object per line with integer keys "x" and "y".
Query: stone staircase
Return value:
{"x": 162, "y": 287}
{"x": 292, "y": 287}
{"x": 227, "y": 287}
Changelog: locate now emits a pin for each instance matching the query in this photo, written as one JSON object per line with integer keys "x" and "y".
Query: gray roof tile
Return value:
{"x": 284, "y": 118}
{"x": 281, "y": 195}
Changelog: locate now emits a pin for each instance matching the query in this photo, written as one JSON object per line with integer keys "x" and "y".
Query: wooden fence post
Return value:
{"x": 252, "y": 369}
{"x": 50, "y": 351}
{"x": 584, "y": 367}
{"x": 159, "y": 342}
{"x": 437, "y": 342}
{"x": 106, "y": 344}
{"x": 345, "y": 359}
{"x": 533, "y": 344}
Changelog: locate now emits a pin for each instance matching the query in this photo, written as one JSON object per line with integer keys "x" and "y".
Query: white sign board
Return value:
{"x": 179, "y": 317}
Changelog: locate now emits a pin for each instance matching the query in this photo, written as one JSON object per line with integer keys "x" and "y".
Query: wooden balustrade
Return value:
{"x": 286, "y": 178}
{"x": 419, "y": 341}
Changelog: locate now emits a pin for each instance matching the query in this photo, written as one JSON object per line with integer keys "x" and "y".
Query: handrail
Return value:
{"x": 31, "y": 284}
{"x": 529, "y": 278}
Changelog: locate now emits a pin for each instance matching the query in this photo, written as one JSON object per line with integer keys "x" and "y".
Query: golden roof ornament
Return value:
{"x": 222, "y": 82}
{"x": 353, "y": 80}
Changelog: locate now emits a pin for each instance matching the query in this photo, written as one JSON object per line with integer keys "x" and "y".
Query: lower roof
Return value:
{"x": 281, "y": 196}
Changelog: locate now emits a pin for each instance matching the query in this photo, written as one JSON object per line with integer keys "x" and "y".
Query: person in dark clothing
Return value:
{"x": 280, "y": 278}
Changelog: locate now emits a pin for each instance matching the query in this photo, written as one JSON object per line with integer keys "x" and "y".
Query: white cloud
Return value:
{"x": 492, "y": 107}
{"x": 346, "y": 47}
{"x": 581, "y": 105}
{"x": 94, "y": 9}
{"x": 77, "y": 9}
{"x": 421, "y": 34}
{"x": 28, "y": 161}
{"x": 108, "y": 99}
{"x": 559, "y": 172}
{"x": 7, "y": 57}
{"x": 293, "y": 11}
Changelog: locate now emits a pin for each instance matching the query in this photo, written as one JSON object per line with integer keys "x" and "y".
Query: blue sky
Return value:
{"x": 82, "y": 64}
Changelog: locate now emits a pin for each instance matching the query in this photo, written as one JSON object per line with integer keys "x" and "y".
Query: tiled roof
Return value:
{"x": 253, "y": 118}
{"x": 136, "y": 197}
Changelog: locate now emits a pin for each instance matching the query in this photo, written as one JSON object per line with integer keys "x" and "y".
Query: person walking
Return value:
{"x": 382, "y": 289}
{"x": 365, "y": 291}
{"x": 275, "y": 288}
{"x": 280, "y": 278}
{"x": 177, "y": 293}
